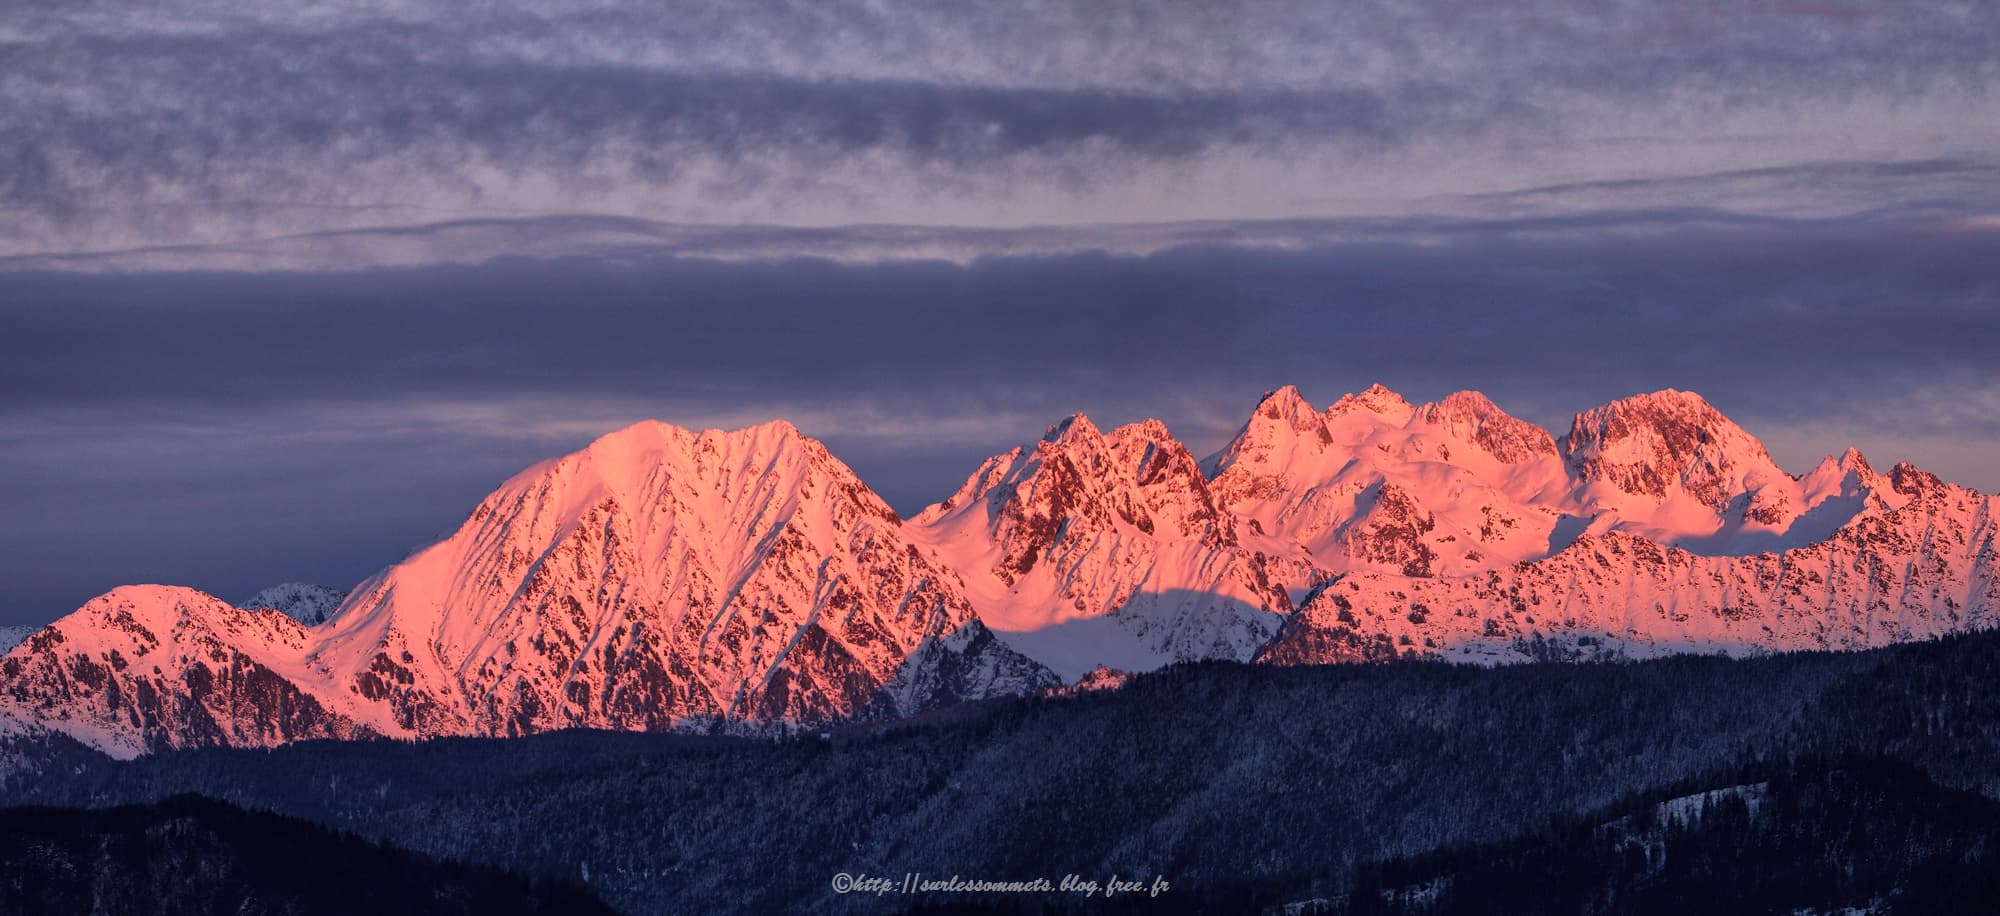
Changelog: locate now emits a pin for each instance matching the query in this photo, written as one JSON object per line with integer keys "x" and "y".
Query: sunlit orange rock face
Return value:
{"x": 668, "y": 579}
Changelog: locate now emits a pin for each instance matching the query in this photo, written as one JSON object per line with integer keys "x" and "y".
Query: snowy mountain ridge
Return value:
{"x": 660, "y": 578}
{"x": 1091, "y": 548}
{"x": 663, "y": 578}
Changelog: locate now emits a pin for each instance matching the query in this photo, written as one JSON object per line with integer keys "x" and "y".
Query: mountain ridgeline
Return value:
{"x": 749, "y": 582}
{"x": 1796, "y": 782}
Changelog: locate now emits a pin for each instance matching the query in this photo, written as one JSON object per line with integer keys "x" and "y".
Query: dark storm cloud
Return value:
{"x": 238, "y": 428}
{"x": 1625, "y": 302}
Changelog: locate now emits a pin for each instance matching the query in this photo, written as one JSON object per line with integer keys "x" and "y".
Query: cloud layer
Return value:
{"x": 225, "y": 429}
{"x": 129, "y": 124}
{"x": 285, "y": 288}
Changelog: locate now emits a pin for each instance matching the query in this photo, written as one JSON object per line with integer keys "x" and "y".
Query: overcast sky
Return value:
{"x": 286, "y": 288}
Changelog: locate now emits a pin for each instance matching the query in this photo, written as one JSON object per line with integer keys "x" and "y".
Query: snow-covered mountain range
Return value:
{"x": 664, "y": 578}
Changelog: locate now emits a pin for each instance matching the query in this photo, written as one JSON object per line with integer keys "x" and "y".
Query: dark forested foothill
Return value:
{"x": 1839, "y": 835}
{"x": 196, "y": 855}
{"x": 1245, "y": 786}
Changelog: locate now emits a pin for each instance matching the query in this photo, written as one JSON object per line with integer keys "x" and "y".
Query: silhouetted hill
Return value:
{"x": 1246, "y": 783}
{"x": 196, "y": 855}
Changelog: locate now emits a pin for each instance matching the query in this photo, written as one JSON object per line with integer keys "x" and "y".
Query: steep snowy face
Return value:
{"x": 1670, "y": 467}
{"x": 656, "y": 578}
{"x": 1470, "y": 417}
{"x": 1376, "y": 400}
{"x": 1656, "y": 446}
{"x": 663, "y": 578}
{"x": 1376, "y": 483}
{"x": 1087, "y": 549}
{"x": 12, "y": 636}
{"x": 1460, "y": 486}
{"x": 660, "y": 578}
{"x": 1917, "y": 558}
{"x": 1284, "y": 432}
{"x": 308, "y": 604}
{"x": 147, "y": 667}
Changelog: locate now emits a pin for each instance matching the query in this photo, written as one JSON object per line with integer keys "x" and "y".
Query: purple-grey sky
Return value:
{"x": 284, "y": 290}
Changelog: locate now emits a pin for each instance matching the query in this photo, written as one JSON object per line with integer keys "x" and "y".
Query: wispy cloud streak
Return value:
{"x": 131, "y": 124}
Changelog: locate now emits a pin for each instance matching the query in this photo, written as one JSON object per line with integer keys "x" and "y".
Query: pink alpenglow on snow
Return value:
{"x": 748, "y": 581}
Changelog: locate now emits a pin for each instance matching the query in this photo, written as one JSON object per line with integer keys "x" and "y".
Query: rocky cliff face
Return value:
{"x": 149, "y": 666}
{"x": 1089, "y": 548}
{"x": 663, "y": 578}
{"x": 1374, "y": 483}
{"x": 1670, "y": 467}
{"x": 1917, "y": 560}
{"x": 658, "y": 579}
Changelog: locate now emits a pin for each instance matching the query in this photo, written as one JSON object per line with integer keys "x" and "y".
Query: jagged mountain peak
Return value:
{"x": 1465, "y": 403}
{"x": 630, "y": 469}
{"x": 1077, "y": 466}
{"x": 637, "y": 449}
{"x": 1104, "y": 549}
{"x": 154, "y": 604}
{"x": 1377, "y": 399}
{"x": 625, "y": 448}
{"x": 1664, "y": 397}
{"x": 656, "y": 577}
{"x": 1283, "y": 427}
{"x": 1286, "y": 408}
{"x": 652, "y": 437}
{"x": 1683, "y": 420}
{"x": 1137, "y": 474}
{"x": 149, "y": 602}
{"x": 143, "y": 667}
{"x": 1864, "y": 560}
{"x": 636, "y": 435}
{"x": 1473, "y": 417}
{"x": 665, "y": 578}
{"x": 1654, "y": 445}
{"x": 1453, "y": 486}
{"x": 1285, "y": 402}
{"x": 1076, "y": 427}
{"x": 1147, "y": 431}
{"x": 1910, "y": 480}
{"x": 1847, "y": 472}
{"x": 143, "y": 615}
